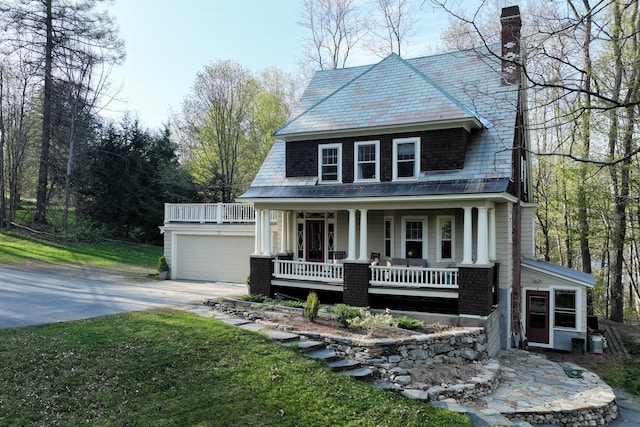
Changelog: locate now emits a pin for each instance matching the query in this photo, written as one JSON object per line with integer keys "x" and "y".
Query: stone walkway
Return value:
{"x": 532, "y": 390}
{"x": 538, "y": 391}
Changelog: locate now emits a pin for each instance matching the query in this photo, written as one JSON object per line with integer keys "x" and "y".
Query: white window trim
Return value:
{"x": 391, "y": 237}
{"x": 452, "y": 218}
{"x": 356, "y": 161}
{"x": 322, "y": 147}
{"x": 552, "y": 308}
{"x": 416, "y": 165}
{"x": 403, "y": 248}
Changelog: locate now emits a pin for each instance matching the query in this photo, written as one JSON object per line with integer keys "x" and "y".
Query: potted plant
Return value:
{"x": 163, "y": 268}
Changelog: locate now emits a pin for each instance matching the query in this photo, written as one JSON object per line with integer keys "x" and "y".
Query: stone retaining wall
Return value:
{"x": 588, "y": 416}
{"x": 393, "y": 359}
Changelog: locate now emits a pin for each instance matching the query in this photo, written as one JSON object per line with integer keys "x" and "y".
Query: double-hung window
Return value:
{"x": 565, "y": 309}
{"x": 406, "y": 158}
{"x": 330, "y": 163}
{"x": 414, "y": 238}
{"x": 367, "y": 161}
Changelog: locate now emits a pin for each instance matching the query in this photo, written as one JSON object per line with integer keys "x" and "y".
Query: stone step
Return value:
{"x": 323, "y": 354}
{"x": 340, "y": 365}
{"x": 363, "y": 374}
{"x": 282, "y": 337}
{"x": 305, "y": 345}
{"x": 234, "y": 321}
{"x": 250, "y": 326}
{"x": 478, "y": 418}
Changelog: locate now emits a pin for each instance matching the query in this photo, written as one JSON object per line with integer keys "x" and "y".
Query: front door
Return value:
{"x": 315, "y": 241}
{"x": 538, "y": 317}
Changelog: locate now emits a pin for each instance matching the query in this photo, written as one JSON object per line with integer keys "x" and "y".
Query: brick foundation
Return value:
{"x": 356, "y": 284}
{"x": 475, "y": 290}
{"x": 261, "y": 273}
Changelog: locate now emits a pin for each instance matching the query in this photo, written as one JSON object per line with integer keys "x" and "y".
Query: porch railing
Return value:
{"x": 220, "y": 213}
{"x": 414, "y": 277}
{"x": 314, "y": 271}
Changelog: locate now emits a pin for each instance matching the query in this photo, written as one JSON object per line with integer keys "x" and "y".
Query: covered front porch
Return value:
{"x": 445, "y": 234}
{"x": 438, "y": 256}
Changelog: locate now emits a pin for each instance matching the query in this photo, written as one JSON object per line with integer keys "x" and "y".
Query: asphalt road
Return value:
{"x": 32, "y": 296}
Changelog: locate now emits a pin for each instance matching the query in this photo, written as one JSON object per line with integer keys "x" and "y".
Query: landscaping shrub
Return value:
{"x": 253, "y": 298}
{"x": 312, "y": 306}
{"x": 366, "y": 320}
{"x": 410, "y": 323}
{"x": 292, "y": 303}
{"x": 344, "y": 313}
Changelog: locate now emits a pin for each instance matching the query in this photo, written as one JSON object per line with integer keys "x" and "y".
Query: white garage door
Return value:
{"x": 213, "y": 258}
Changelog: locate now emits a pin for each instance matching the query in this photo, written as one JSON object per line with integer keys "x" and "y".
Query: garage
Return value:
{"x": 220, "y": 257}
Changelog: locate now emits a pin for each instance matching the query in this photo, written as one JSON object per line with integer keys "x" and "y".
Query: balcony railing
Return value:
{"x": 414, "y": 277}
{"x": 219, "y": 213}
{"x": 314, "y": 271}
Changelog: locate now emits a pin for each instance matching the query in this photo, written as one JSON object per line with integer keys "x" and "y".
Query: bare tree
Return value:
{"x": 335, "y": 28}
{"x": 391, "y": 31}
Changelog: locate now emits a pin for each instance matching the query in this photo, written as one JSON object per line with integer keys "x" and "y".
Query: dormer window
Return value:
{"x": 406, "y": 158}
{"x": 330, "y": 163}
{"x": 367, "y": 161}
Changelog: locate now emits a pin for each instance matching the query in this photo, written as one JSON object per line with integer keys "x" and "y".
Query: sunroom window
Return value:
{"x": 406, "y": 158}
{"x": 367, "y": 164}
{"x": 330, "y": 163}
{"x": 565, "y": 309}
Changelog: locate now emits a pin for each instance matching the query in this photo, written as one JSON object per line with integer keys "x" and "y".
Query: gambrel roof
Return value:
{"x": 461, "y": 89}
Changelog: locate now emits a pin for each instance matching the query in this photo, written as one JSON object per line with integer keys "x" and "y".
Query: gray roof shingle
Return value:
{"x": 462, "y": 85}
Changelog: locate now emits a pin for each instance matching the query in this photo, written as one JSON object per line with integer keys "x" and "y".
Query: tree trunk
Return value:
{"x": 2, "y": 144}
{"x": 43, "y": 172}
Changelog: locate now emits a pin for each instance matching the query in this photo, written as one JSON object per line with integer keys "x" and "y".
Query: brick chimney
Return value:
{"x": 511, "y": 24}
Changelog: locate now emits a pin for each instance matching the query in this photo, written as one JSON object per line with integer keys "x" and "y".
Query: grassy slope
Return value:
{"x": 173, "y": 368}
{"x": 124, "y": 256}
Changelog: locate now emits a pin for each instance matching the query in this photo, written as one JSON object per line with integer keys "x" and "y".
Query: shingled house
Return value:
{"x": 406, "y": 185}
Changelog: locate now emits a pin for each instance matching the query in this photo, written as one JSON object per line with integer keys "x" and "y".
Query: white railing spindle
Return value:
{"x": 220, "y": 213}
{"x": 414, "y": 277}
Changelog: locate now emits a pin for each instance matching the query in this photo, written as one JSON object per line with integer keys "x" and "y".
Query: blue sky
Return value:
{"x": 169, "y": 41}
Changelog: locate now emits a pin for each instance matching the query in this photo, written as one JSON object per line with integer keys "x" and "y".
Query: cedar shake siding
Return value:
{"x": 440, "y": 150}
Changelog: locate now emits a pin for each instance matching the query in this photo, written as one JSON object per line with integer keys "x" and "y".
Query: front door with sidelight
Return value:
{"x": 315, "y": 241}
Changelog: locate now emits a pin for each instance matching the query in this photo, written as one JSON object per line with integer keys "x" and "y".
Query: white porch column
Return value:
{"x": 284, "y": 231}
{"x": 483, "y": 236}
{"x": 363, "y": 235}
{"x": 468, "y": 236}
{"x": 258, "y": 239}
{"x": 351, "y": 250}
{"x": 266, "y": 216}
{"x": 492, "y": 234}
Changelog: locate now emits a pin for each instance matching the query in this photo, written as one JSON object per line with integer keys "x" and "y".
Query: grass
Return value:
{"x": 15, "y": 248}
{"x": 625, "y": 376}
{"x": 171, "y": 368}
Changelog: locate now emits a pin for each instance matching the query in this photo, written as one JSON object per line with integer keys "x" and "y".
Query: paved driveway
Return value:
{"x": 31, "y": 296}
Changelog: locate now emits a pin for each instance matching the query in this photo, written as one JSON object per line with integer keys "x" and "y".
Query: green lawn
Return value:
{"x": 176, "y": 369}
{"x": 15, "y": 248}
